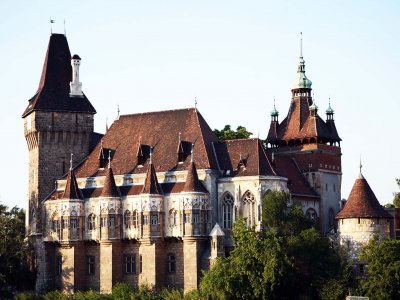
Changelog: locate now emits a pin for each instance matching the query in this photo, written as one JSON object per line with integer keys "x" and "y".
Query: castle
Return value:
{"x": 153, "y": 200}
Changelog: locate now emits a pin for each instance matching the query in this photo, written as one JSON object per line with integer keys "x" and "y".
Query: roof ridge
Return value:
{"x": 157, "y": 111}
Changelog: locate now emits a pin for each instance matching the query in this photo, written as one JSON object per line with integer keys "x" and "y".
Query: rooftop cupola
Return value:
{"x": 274, "y": 114}
{"x": 301, "y": 82}
{"x": 75, "y": 85}
{"x": 329, "y": 112}
{"x": 313, "y": 109}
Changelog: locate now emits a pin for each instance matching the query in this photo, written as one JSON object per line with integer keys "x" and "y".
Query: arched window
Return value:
{"x": 135, "y": 219}
{"x": 249, "y": 203}
{"x": 227, "y": 208}
{"x": 172, "y": 218}
{"x": 91, "y": 222}
{"x": 55, "y": 223}
{"x": 311, "y": 213}
{"x": 127, "y": 219}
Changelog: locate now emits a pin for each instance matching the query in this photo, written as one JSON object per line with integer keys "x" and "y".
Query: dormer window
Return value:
{"x": 103, "y": 156}
{"x": 184, "y": 150}
{"x": 143, "y": 154}
{"x": 242, "y": 163}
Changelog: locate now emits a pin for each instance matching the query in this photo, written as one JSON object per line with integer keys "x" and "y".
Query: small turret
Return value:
{"x": 329, "y": 112}
{"x": 313, "y": 109}
{"x": 72, "y": 190}
{"x": 75, "y": 85}
{"x": 217, "y": 243}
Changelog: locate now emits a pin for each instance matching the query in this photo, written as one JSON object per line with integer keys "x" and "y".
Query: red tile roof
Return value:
{"x": 362, "y": 203}
{"x": 193, "y": 184}
{"x": 151, "y": 185}
{"x": 243, "y": 157}
{"x": 109, "y": 189}
{"x": 53, "y": 90}
{"x": 71, "y": 190}
{"x": 160, "y": 130}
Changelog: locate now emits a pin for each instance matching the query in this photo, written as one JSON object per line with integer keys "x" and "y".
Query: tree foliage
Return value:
{"x": 228, "y": 134}
{"x": 14, "y": 250}
{"x": 288, "y": 259}
{"x": 396, "y": 198}
{"x": 383, "y": 269}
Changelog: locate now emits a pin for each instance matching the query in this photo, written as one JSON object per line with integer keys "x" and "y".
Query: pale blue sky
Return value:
{"x": 234, "y": 56}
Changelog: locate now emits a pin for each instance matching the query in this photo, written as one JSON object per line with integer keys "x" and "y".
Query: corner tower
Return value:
{"x": 312, "y": 143}
{"x": 58, "y": 121}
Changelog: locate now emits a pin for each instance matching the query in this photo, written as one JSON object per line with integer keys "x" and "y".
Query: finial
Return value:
{"x": 274, "y": 112}
{"x": 195, "y": 103}
{"x": 192, "y": 153}
{"x": 109, "y": 159}
{"x": 151, "y": 156}
{"x": 360, "y": 166}
{"x": 70, "y": 162}
{"x": 118, "y": 111}
{"x": 301, "y": 44}
{"x": 179, "y": 136}
{"x": 51, "y": 26}
{"x": 106, "y": 124}
{"x": 65, "y": 30}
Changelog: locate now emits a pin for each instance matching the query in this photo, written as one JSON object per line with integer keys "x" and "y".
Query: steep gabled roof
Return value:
{"x": 362, "y": 203}
{"x": 71, "y": 190}
{"x": 161, "y": 131}
{"x": 151, "y": 185}
{"x": 243, "y": 157}
{"x": 110, "y": 189}
{"x": 53, "y": 90}
{"x": 193, "y": 184}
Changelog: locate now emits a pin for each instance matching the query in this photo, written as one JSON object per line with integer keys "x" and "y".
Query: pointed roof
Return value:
{"x": 301, "y": 81}
{"x": 151, "y": 185}
{"x": 53, "y": 90}
{"x": 362, "y": 202}
{"x": 72, "y": 190}
{"x": 193, "y": 184}
{"x": 110, "y": 188}
{"x": 217, "y": 231}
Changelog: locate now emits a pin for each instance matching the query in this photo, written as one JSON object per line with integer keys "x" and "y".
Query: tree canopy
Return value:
{"x": 383, "y": 269}
{"x": 396, "y": 198}
{"x": 14, "y": 251}
{"x": 228, "y": 134}
{"x": 288, "y": 259}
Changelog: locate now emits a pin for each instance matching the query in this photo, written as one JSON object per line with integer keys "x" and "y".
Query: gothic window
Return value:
{"x": 172, "y": 218}
{"x": 127, "y": 219}
{"x": 74, "y": 223}
{"x": 135, "y": 218}
{"x": 130, "y": 264}
{"x": 90, "y": 265}
{"x": 111, "y": 221}
{"x": 154, "y": 219}
{"x": 227, "y": 208}
{"x": 55, "y": 223}
{"x": 249, "y": 203}
{"x": 91, "y": 222}
{"x": 187, "y": 218}
{"x": 196, "y": 218}
{"x": 311, "y": 213}
{"x": 171, "y": 263}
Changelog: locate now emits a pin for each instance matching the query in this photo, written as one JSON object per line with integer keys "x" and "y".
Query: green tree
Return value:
{"x": 396, "y": 199}
{"x": 288, "y": 259}
{"x": 383, "y": 269}
{"x": 14, "y": 250}
{"x": 228, "y": 134}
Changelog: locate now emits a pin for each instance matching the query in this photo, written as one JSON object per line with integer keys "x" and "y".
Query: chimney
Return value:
{"x": 75, "y": 85}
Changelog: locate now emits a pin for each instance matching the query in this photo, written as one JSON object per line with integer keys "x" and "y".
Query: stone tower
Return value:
{"x": 312, "y": 144}
{"x": 58, "y": 121}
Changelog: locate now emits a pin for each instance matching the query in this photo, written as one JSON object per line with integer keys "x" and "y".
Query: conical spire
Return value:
{"x": 302, "y": 81}
{"x": 274, "y": 112}
{"x": 110, "y": 188}
{"x": 72, "y": 190}
{"x": 193, "y": 184}
{"x": 151, "y": 185}
{"x": 362, "y": 202}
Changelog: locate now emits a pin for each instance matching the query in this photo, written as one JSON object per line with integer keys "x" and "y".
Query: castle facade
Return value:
{"x": 154, "y": 199}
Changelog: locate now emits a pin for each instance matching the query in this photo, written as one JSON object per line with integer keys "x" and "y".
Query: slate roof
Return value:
{"x": 160, "y": 130}
{"x": 362, "y": 203}
{"x": 71, "y": 190}
{"x": 53, "y": 90}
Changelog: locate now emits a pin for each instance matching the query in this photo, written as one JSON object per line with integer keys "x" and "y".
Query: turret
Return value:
{"x": 217, "y": 243}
